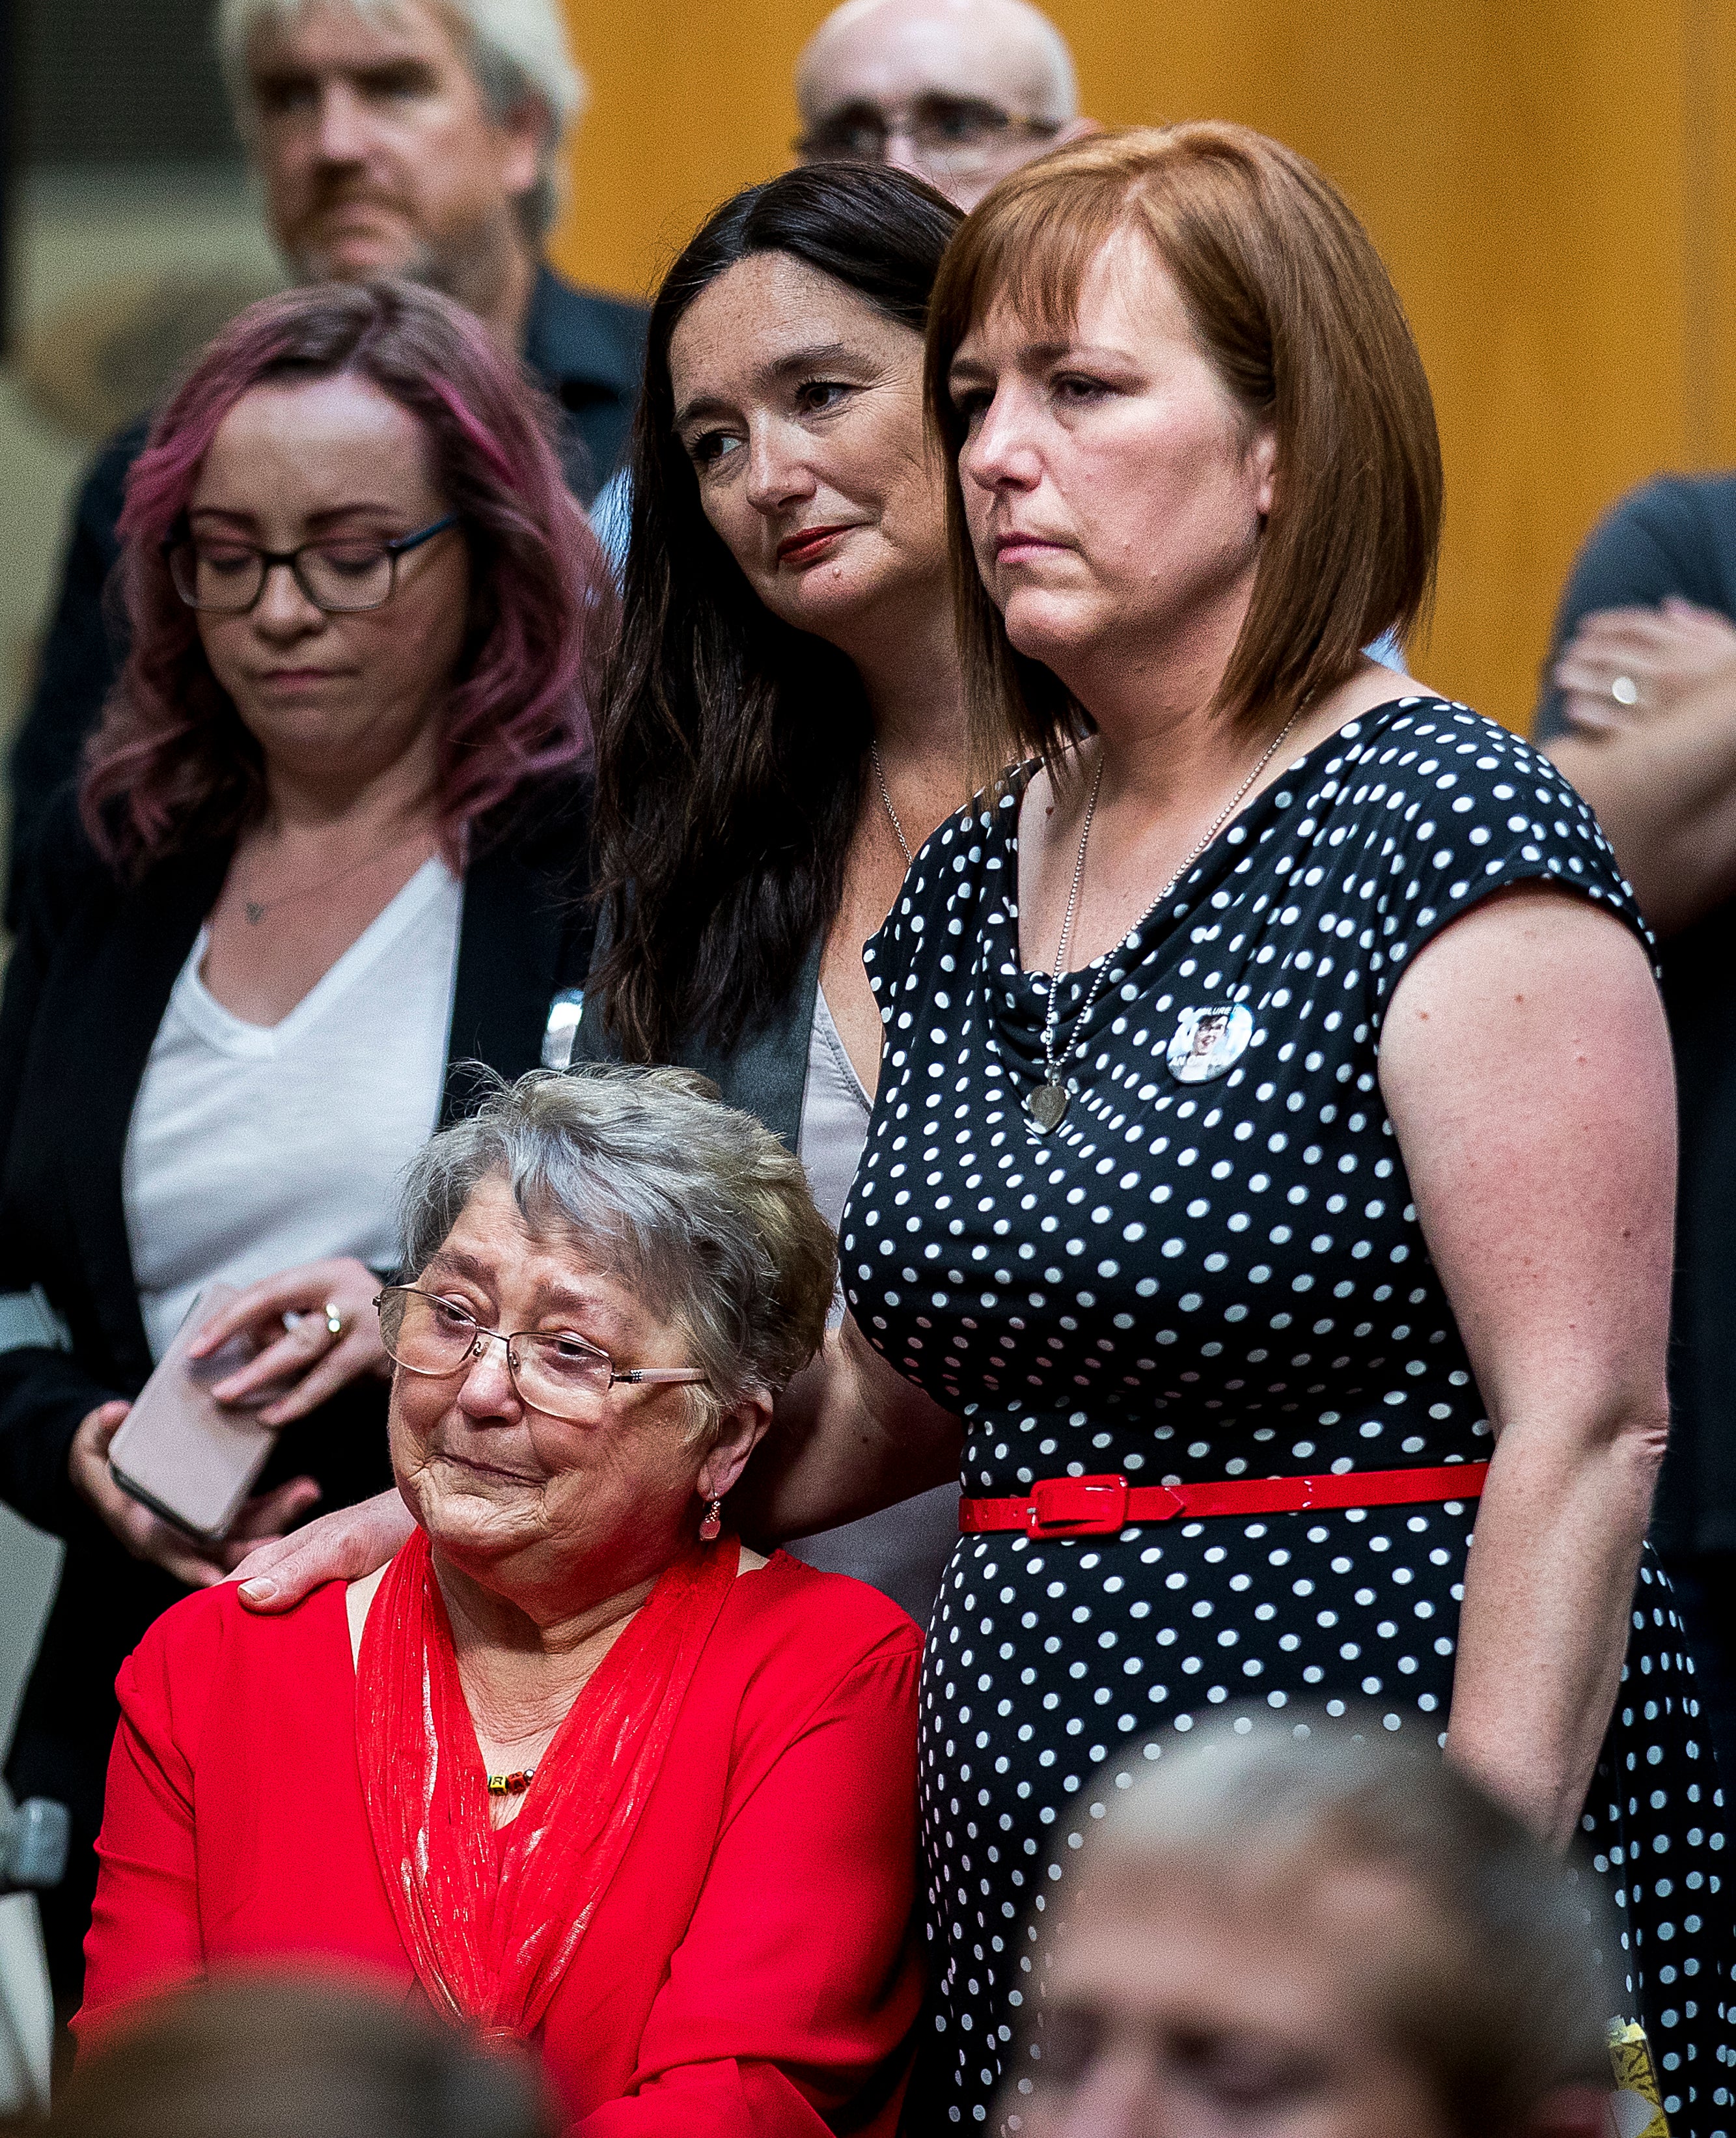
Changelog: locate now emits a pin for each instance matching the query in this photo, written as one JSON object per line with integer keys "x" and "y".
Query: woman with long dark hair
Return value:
{"x": 784, "y": 725}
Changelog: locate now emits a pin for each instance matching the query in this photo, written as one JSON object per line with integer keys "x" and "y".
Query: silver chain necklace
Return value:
{"x": 1048, "y": 1102}
{"x": 256, "y": 909}
{"x": 898, "y": 829}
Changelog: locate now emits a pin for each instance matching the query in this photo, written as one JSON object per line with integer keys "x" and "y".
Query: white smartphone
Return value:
{"x": 179, "y": 1451}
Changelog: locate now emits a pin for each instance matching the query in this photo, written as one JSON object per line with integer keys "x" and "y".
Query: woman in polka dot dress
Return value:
{"x": 1197, "y": 1281}
{"x": 1348, "y": 1162}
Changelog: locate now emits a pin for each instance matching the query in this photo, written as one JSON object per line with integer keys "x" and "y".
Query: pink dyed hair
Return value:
{"x": 172, "y": 764}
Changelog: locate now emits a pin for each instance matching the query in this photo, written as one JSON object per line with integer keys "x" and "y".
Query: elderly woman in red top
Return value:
{"x": 577, "y": 1763}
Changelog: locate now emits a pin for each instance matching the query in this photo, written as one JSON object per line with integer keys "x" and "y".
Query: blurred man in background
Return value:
{"x": 958, "y": 92}
{"x": 393, "y": 137}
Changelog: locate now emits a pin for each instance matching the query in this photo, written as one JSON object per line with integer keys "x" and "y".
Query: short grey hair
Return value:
{"x": 517, "y": 51}
{"x": 1504, "y": 1997}
{"x": 698, "y": 1206}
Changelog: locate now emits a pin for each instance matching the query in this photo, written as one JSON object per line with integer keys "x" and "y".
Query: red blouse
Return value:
{"x": 751, "y": 1968}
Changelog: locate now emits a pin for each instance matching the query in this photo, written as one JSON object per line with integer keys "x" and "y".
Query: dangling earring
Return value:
{"x": 712, "y": 1526}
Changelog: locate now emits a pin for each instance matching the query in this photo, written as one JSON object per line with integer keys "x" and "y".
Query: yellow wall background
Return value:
{"x": 1551, "y": 186}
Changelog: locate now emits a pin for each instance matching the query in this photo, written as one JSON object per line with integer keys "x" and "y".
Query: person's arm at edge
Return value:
{"x": 850, "y": 1436}
{"x": 1664, "y": 791}
{"x": 1526, "y": 1068}
{"x": 1664, "y": 786}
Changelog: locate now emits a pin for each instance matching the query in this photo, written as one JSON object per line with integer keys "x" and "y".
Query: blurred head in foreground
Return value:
{"x": 256, "y": 2058}
{"x": 1305, "y": 1933}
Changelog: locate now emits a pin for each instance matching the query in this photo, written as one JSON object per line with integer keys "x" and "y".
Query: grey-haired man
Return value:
{"x": 393, "y": 137}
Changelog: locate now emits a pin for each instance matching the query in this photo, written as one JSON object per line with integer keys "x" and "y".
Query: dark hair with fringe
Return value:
{"x": 1293, "y": 307}
{"x": 172, "y": 764}
{"x": 730, "y": 747}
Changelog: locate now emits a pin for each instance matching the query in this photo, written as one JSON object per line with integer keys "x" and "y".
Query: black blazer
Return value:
{"x": 88, "y": 982}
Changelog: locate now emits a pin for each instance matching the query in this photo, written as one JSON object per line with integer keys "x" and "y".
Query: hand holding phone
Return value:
{"x": 265, "y": 1520}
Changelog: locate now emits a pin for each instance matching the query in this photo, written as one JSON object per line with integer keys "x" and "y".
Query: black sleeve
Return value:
{"x": 78, "y": 661}
{"x": 1656, "y": 543}
{"x": 1470, "y": 809}
{"x": 43, "y": 1394}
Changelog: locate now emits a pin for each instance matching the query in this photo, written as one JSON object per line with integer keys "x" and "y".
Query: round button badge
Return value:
{"x": 1209, "y": 1043}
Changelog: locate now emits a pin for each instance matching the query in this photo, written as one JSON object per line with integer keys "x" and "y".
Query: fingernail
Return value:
{"x": 259, "y": 1590}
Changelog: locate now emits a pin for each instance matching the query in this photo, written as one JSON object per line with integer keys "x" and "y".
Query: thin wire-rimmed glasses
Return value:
{"x": 953, "y": 135}
{"x": 342, "y": 575}
{"x": 554, "y": 1371}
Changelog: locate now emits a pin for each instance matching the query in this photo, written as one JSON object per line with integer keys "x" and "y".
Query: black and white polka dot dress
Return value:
{"x": 1190, "y": 1281}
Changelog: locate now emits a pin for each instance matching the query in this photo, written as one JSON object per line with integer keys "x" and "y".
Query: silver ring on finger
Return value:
{"x": 1625, "y": 690}
{"x": 333, "y": 1319}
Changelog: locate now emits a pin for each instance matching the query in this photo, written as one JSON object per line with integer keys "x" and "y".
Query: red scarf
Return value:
{"x": 492, "y": 1920}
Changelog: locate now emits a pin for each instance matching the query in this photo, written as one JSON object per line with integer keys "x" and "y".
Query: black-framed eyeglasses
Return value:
{"x": 953, "y": 135}
{"x": 341, "y": 574}
{"x": 554, "y": 1371}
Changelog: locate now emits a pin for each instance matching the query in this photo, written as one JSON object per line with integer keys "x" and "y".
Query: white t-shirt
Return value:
{"x": 253, "y": 1147}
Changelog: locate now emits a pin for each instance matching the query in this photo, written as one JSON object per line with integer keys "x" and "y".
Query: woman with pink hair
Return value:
{"x": 320, "y": 858}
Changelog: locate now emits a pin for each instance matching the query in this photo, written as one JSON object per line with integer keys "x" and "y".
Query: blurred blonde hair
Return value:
{"x": 1502, "y": 1968}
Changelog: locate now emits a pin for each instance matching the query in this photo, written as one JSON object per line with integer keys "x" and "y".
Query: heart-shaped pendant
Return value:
{"x": 1046, "y": 1104}
{"x": 254, "y": 913}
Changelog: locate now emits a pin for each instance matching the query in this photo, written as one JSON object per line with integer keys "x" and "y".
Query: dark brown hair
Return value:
{"x": 1293, "y": 307}
{"x": 730, "y": 747}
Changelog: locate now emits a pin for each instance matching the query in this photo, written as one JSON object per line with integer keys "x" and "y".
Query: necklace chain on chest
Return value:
{"x": 256, "y": 909}
{"x": 898, "y": 829}
{"x": 1048, "y": 1102}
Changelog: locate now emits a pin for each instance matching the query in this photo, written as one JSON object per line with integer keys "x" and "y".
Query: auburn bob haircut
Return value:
{"x": 1297, "y": 316}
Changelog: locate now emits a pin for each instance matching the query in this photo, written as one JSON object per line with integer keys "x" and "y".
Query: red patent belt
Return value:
{"x": 1098, "y": 1506}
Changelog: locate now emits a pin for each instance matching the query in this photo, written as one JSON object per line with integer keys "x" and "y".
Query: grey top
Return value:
{"x": 766, "y": 1075}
